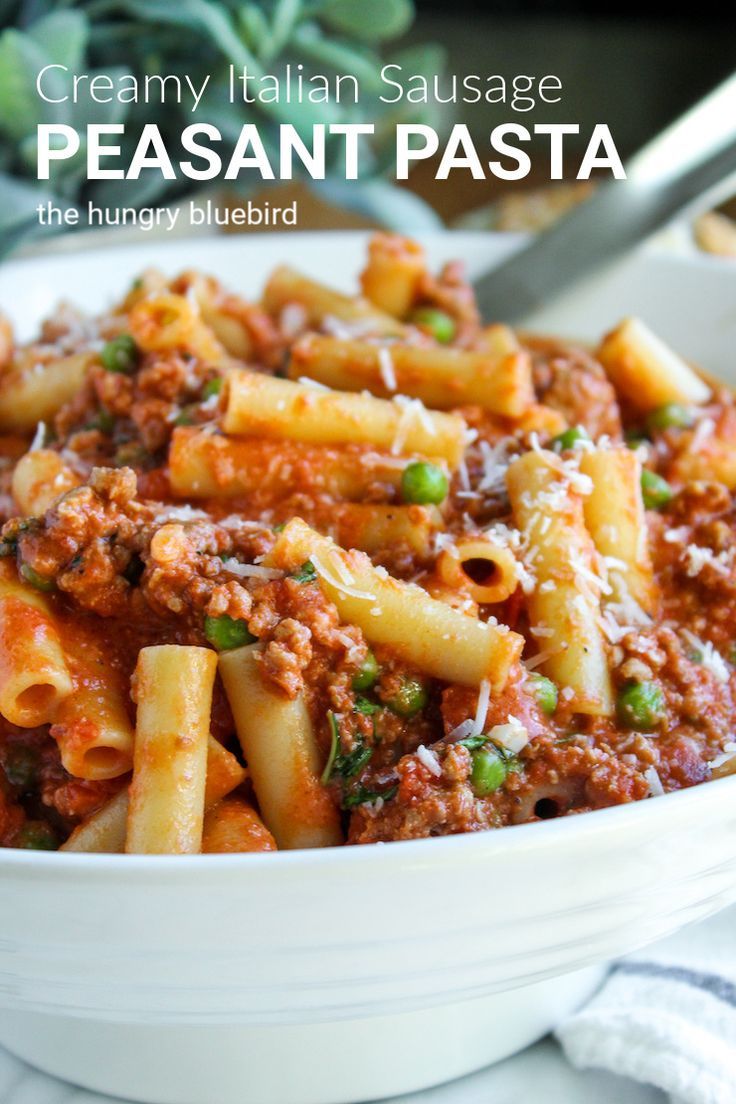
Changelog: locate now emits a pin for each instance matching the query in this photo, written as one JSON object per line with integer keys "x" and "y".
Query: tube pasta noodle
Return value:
{"x": 440, "y": 377}
{"x": 425, "y": 632}
{"x": 174, "y": 690}
{"x": 39, "y": 479}
{"x": 414, "y": 546}
{"x": 392, "y": 277}
{"x": 105, "y": 829}
{"x": 34, "y": 676}
{"x": 373, "y": 527}
{"x": 550, "y": 516}
{"x": 485, "y": 569}
{"x": 282, "y": 755}
{"x": 220, "y": 314}
{"x": 32, "y": 391}
{"x": 614, "y": 517}
{"x": 260, "y": 406}
{"x": 646, "y": 371}
{"x": 205, "y": 465}
{"x": 286, "y": 287}
{"x": 234, "y": 825}
{"x": 166, "y": 322}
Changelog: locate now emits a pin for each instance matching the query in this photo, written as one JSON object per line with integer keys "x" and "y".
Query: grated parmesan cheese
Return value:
{"x": 305, "y": 381}
{"x": 708, "y": 657}
{"x": 696, "y": 557}
{"x": 255, "y": 571}
{"x": 341, "y": 584}
{"x": 484, "y": 697}
{"x": 429, "y": 760}
{"x": 656, "y": 789}
{"x": 386, "y": 368}
{"x": 39, "y": 437}
{"x": 513, "y": 736}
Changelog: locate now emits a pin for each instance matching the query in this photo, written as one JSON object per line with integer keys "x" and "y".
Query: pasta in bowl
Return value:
{"x": 293, "y": 569}
{"x": 370, "y": 569}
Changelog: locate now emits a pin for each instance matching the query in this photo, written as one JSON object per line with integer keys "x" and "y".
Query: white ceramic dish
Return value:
{"x": 321, "y": 977}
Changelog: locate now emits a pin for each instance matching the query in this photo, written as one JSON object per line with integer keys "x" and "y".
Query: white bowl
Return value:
{"x": 354, "y": 973}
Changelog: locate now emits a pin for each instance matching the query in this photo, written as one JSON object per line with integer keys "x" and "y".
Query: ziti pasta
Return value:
{"x": 334, "y": 568}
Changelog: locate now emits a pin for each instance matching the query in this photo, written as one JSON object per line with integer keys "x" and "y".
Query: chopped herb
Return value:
{"x": 362, "y": 796}
{"x": 307, "y": 573}
{"x": 103, "y": 421}
{"x": 334, "y": 745}
{"x": 212, "y": 387}
{"x": 347, "y": 764}
{"x": 36, "y": 835}
{"x": 352, "y": 763}
{"x": 40, "y": 582}
{"x": 20, "y": 766}
{"x": 186, "y": 415}
{"x": 226, "y": 633}
{"x": 120, "y": 355}
{"x": 365, "y": 706}
{"x": 8, "y": 548}
{"x": 137, "y": 284}
{"x": 131, "y": 453}
{"x": 472, "y": 743}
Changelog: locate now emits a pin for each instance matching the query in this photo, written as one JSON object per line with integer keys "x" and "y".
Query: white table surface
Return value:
{"x": 541, "y": 1074}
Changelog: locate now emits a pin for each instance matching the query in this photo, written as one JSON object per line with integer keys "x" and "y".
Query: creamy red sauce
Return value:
{"x": 128, "y": 564}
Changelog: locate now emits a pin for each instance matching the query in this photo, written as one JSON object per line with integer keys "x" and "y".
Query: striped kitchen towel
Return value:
{"x": 667, "y": 1016}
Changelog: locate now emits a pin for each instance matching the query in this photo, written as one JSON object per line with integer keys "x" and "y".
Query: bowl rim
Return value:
{"x": 416, "y": 852}
{"x": 517, "y": 837}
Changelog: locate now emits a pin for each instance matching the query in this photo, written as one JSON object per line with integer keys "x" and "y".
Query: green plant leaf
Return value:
{"x": 21, "y": 109}
{"x": 255, "y": 29}
{"x": 370, "y": 22}
{"x": 63, "y": 36}
{"x": 19, "y": 200}
{"x": 196, "y": 15}
{"x": 342, "y": 56}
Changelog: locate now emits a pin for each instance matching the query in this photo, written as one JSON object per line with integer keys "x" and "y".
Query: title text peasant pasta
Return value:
{"x": 337, "y": 568}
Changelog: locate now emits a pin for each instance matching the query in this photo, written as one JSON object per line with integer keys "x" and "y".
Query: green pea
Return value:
{"x": 488, "y": 772}
{"x": 20, "y": 766}
{"x": 38, "y": 581}
{"x": 423, "y": 483}
{"x": 671, "y": 416}
{"x": 36, "y": 835}
{"x": 655, "y": 490}
{"x": 438, "y": 323}
{"x": 569, "y": 439}
{"x": 409, "y": 698}
{"x": 640, "y": 705}
{"x": 367, "y": 673}
{"x": 545, "y": 692}
{"x": 212, "y": 387}
{"x": 120, "y": 355}
{"x": 225, "y": 632}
